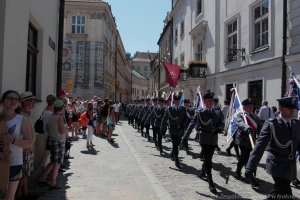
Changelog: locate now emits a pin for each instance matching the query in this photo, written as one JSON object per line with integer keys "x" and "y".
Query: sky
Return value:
{"x": 140, "y": 22}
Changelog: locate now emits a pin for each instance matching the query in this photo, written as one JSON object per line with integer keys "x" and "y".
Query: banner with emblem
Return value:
{"x": 234, "y": 109}
{"x": 172, "y": 74}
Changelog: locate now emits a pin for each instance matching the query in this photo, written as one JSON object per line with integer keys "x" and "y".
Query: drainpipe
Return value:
{"x": 60, "y": 44}
{"x": 284, "y": 49}
{"x": 116, "y": 62}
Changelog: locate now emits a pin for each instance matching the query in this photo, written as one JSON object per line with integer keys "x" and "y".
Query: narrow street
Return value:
{"x": 133, "y": 169}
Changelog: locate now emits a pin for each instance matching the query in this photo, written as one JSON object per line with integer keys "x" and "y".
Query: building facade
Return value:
{"x": 28, "y": 53}
{"x": 93, "y": 51}
{"x": 165, "y": 44}
{"x": 141, "y": 63}
{"x": 235, "y": 43}
{"x": 28, "y": 48}
{"x": 140, "y": 86}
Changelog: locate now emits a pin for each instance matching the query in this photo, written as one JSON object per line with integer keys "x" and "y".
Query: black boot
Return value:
{"x": 202, "y": 174}
{"x": 177, "y": 163}
{"x": 237, "y": 174}
{"x": 172, "y": 156}
{"x": 211, "y": 184}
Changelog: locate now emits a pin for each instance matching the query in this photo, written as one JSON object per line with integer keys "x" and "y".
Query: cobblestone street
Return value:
{"x": 133, "y": 169}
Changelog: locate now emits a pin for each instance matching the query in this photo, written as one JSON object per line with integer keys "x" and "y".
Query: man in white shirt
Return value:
{"x": 265, "y": 112}
{"x": 117, "y": 106}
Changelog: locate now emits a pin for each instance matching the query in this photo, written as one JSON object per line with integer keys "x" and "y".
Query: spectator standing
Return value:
{"x": 46, "y": 115}
{"x": 111, "y": 121}
{"x": 265, "y": 112}
{"x": 98, "y": 118}
{"x": 19, "y": 138}
{"x": 27, "y": 100}
{"x": 57, "y": 132}
{"x": 117, "y": 107}
{"x": 90, "y": 126}
{"x": 104, "y": 114}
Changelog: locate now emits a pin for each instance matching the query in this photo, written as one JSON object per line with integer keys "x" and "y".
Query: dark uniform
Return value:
{"x": 155, "y": 118}
{"x": 211, "y": 123}
{"x": 190, "y": 112}
{"x": 144, "y": 115}
{"x": 176, "y": 116}
{"x": 281, "y": 138}
{"x": 242, "y": 138}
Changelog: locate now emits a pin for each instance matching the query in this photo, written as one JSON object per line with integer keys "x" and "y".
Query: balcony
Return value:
{"x": 196, "y": 69}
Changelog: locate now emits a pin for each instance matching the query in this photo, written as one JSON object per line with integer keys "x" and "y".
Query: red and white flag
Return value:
{"x": 172, "y": 74}
{"x": 251, "y": 122}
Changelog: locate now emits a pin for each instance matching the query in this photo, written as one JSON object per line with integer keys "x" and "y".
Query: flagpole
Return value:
{"x": 229, "y": 113}
{"x": 250, "y": 137}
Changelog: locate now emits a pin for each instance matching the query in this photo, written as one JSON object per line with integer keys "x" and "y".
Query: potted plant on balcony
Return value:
{"x": 198, "y": 68}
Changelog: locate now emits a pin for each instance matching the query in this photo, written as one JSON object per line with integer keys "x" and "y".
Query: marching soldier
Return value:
{"x": 155, "y": 117}
{"x": 211, "y": 123}
{"x": 190, "y": 112}
{"x": 281, "y": 138}
{"x": 246, "y": 130}
{"x": 146, "y": 110}
{"x": 176, "y": 116}
{"x": 141, "y": 113}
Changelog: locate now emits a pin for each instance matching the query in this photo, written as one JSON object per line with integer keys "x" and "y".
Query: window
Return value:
{"x": 182, "y": 60}
{"x": 198, "y": 53}
{"x": 228, "y": 92}
{"x": 232, "y": 41}
{"x": 182, "y": 28}
{"x": 199, "y": 7}
{"x": 32, "y": 52}
{"x": 255, "y": 92}
{"x": 78, "y": 24}
{"x": 261, "y": 27}
{"x": 176, "y": 35}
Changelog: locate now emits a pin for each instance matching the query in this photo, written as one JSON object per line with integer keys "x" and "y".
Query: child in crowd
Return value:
{"x": 111, "y": 123}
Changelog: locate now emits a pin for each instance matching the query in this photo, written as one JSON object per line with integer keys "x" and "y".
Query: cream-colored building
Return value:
{"x": 140, "y": 86}
{"x": 94, "y": 57}
{"x": 28, "y": 47}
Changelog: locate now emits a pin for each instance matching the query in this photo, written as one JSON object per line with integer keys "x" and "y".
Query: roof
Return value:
{"x": 144, "y": 55}
{"x": 137, "y": 74}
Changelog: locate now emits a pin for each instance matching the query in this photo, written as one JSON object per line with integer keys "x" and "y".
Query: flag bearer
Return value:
{"x": 246, "y": 129}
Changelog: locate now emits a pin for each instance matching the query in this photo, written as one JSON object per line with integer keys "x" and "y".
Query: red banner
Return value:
{"x": 172, "y": 74}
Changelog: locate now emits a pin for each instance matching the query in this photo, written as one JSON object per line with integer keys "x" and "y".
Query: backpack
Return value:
{"x": 38, "y": 126}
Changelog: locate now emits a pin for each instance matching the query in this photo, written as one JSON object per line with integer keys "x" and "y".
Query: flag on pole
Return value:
{"x": 234, "y": 109}
{"x": 199, "y": 101}
{"x": 295, "y": 90}
{"x": 172, "y": 74}
{"x": 181, "y": 102}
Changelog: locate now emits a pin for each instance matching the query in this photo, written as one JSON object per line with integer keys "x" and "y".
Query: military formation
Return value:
{"x": 280, "y": 136}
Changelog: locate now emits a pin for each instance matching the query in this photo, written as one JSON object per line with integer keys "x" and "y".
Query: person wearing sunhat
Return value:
{"x": 246, "y": 130}
{"x": 27, "y": 100}
{"x": 211, "y": 122}
{"x": 282, "y": 139}
{"x": 176, "y": 117}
